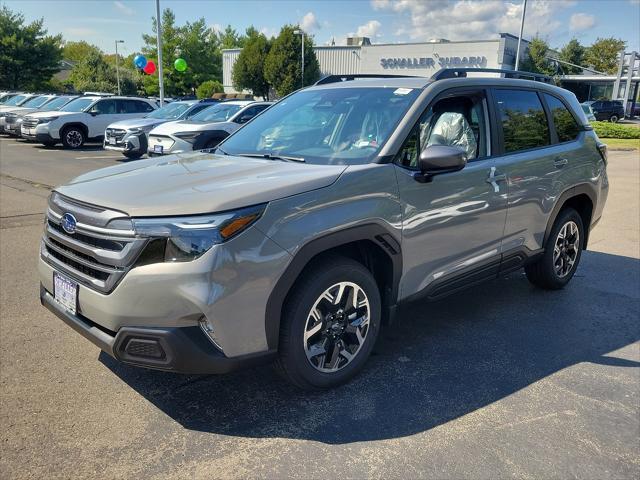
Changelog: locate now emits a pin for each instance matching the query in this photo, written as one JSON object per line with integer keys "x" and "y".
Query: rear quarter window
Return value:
{"x": 566, "y": 126}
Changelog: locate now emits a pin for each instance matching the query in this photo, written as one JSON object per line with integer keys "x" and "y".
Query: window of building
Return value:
{"x": 524, "y": 123}
{"x": 566, "y": 126}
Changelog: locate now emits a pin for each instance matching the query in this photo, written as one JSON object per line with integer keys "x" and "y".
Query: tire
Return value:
{"x": 49, "y": 144}
{"x": 553, "y": 270}
{"x": 132, "y": 155}
{"x": 73, "y": 137}
{"x": 352, "y": 334}
{"x": 613, "y": 119}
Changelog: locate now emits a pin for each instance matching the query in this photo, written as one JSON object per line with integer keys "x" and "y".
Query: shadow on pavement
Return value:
{"x": 441, "y": 361}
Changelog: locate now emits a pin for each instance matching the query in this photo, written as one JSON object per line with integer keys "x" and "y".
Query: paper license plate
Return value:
{"x": 157, "y": 149}
{"x": 111, "y": 141}
{"x": 65, "y": 292}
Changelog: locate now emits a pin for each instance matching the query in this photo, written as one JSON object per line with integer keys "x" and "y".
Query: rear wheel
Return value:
{"x": 613, "y": 118}
{"x": 562, "y": 252}
{"x": 73, "y": 137}
{"x": 330, "y": 323}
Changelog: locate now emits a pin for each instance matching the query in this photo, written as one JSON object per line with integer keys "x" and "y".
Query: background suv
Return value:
{"x": 130, "y": 136}
{"x": 205, "y": 129}
{"x": 14, "y": 118}
{"x": 609, "y": 110}
{"x": 83, "y": 119}
{"x": 296, "y": 244}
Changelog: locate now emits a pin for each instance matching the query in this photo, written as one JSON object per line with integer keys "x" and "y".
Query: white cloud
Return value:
{"x": 471, "y": 19}
{"x": 309, "y": 22}
{"x": 581, "y": 21}
{"x": 369, "y": 29}
{"x": 122, "y": 8}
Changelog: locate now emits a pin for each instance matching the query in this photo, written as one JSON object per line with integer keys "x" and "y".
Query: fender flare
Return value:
{"x": 583, "y": 188}
{"x": 374, "y": 232}
{"x": 82, "y": 126}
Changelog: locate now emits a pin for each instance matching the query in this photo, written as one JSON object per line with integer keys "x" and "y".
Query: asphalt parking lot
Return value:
{"x": 499, "y": 381}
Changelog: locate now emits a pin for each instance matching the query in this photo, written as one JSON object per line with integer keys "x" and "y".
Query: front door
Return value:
{"x": 452, "y": 225}
{"x": 104, "y": 113}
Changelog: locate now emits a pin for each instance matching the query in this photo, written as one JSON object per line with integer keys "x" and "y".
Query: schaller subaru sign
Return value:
{"x": 429, "y": 62}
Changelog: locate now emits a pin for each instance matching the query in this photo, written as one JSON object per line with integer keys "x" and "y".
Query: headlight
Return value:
{"x": 47, "y": 119}
{"x": 182, "y": 239}
{"x": 190, "y": 137}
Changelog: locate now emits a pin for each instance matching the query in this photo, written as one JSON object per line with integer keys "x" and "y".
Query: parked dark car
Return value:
{"x": 607, "y": 110}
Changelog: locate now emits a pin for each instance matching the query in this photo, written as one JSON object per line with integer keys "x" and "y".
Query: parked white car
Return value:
{"x": 30, "y": 105}
{"x": 83, "y": 119}
{"x": 205, "y": 129}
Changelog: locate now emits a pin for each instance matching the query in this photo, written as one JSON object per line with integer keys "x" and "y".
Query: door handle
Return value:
{"x": 560, "y": 162}
{"x": 493, "y": 179}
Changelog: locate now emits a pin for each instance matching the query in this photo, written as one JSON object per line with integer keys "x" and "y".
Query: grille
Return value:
{"x": 116, "y": 133}
{"x": 29, "y": 122}
{"x": 95, "y": 254}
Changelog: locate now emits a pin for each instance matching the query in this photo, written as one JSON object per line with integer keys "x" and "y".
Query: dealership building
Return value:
{"x": 426, "y": 58}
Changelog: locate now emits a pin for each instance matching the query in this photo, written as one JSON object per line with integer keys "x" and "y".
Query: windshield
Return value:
{"x": 336, "y": 126}
{"x": 170, "y": 112}
{"x": 77, "y": 105}
{"x": 55, "y": 104}
{"x": 216, "y": 113}
{"x": 17, "y": 100}
{"x": 35, "y": 102}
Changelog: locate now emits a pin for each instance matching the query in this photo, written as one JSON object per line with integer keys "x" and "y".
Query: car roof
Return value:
{"x": 390, "y": 82}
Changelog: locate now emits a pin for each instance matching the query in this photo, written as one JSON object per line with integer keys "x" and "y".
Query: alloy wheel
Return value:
{"x": 336, "y": 327}
{"x": 566, "y": 249}
{"x": 74, "y": 138}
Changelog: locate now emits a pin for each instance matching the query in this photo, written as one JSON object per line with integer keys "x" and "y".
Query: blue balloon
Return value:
{"x": 140, "y": 61}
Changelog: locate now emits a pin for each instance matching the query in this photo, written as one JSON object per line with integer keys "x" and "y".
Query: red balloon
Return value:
{"x": 149, "y": 68}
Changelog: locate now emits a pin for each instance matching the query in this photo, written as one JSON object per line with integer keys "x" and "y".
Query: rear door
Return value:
{"x": 538, "y": 160}
{"x": 452, "y": 225}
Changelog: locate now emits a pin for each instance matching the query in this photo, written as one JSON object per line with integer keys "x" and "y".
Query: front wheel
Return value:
{"x": 132, "y": 155}
{"x": 614, "y": 118}
{"x": 330, "y": 324}
{"x": 562, "y": 252}
{"x": 73, "y": 137}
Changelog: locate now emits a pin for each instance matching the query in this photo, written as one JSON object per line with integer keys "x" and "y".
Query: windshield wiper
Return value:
{"x": 270, "y": 156}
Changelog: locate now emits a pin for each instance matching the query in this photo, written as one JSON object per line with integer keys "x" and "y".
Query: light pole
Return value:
{"x": 301, "y": 33}
{"x": 524, "y": 9}
{"x": 117, "y": 67}
{"x": 159, "y": 42}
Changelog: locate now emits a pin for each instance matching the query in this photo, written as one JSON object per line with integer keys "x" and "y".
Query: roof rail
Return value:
{"x": 462, "y": 72}
{"x": 354, "y": 76}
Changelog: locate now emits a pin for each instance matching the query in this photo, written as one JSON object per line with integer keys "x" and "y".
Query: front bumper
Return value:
{"x": 131, "y": 143}
{"x": 175, "y": 349}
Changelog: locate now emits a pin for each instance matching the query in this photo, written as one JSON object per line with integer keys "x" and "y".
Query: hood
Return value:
{"x": 17, "y": 110}
{"x": 137, "y": 123}
{"x": 196, "y": 183}
{"x": 169, "y": 128}
{"x": 51, "y": 113}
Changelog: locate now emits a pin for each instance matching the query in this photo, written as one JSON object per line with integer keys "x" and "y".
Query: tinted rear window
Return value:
{"x": 566, "y": 126}
{"x": 524, "y": 123}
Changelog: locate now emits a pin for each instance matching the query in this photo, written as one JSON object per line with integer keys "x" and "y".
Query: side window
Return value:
{"x": 524, "y": 123}
{"x": 133, "y": 106}
{"x": 457, "y": 121}
{"x": 104, "y": 107}
{"x": 143, "y": 107}
{"x": 566, "y": 126}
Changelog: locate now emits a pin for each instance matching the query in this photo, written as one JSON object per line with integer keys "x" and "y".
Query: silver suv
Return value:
{"x": 299, "y": 236}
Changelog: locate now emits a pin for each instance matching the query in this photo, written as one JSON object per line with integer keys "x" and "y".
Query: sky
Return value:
{"x": 101, "y": 22}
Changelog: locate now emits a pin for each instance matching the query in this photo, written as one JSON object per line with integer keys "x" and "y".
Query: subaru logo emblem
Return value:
{"x": 68, "y": 223}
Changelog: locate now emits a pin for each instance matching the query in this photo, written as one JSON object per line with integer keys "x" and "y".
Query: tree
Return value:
{"x": 96, "y": 74}
{"x": 230, "y": 38}
{"x": 536, "y": 60}
{"x": 282, "y": 65}
{"x": 28, "y": 56}
{"x": 248, "y": 71}
{"x": 77, "y": 51}
{"x": 572, "y": 52}
{"x": 208, "y": 88}
{"x": 198, "y": 44}
{"x": 603, "y": 54}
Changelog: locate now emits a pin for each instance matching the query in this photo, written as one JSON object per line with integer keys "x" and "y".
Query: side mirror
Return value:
{"x": 439, "y": 159}
{"x": 93, "y": 113}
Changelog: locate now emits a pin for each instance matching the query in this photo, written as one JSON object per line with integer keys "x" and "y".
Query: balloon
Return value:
{"x": 149, "y": 68}
{"x": 180, "y": 64}
{"x": 140, "y": 61}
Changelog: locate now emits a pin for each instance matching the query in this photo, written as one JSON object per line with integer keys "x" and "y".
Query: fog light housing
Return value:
{"x": 207, "y": 328}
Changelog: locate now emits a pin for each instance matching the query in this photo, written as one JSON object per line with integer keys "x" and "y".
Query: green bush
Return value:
{"x": 615, "y": 130}
{"x": 208, "y": 88}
